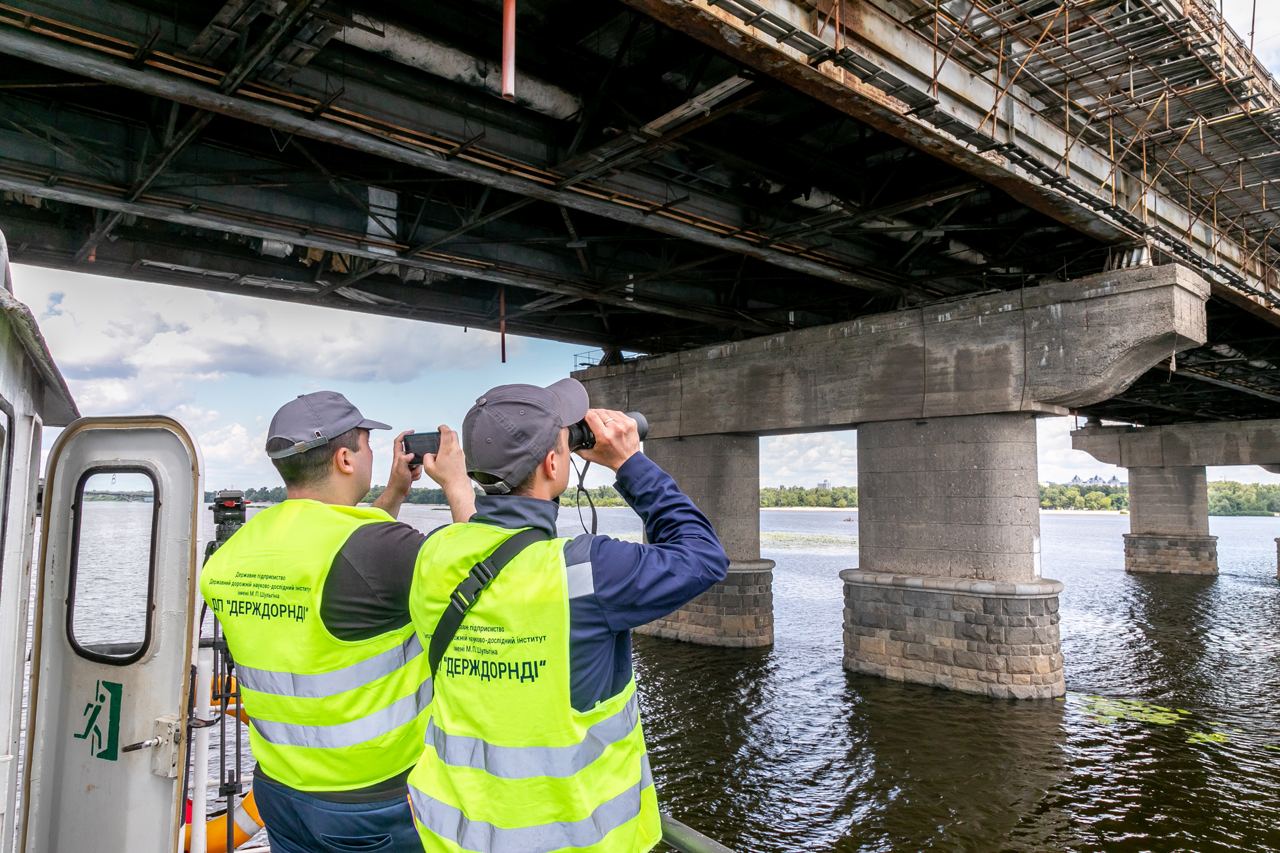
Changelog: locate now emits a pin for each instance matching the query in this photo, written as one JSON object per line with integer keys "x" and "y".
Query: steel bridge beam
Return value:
{"x": 497, "y": 272}
{"x": 130, "y": 256}
{"x": 96, "y": 66}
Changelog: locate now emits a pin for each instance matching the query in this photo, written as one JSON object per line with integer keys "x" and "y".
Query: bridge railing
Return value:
{"x": 685, "y": 839}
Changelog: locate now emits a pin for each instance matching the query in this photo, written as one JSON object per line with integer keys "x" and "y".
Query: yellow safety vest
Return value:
{"x": 509, "y": 765}
{"x": 324, "y": 714}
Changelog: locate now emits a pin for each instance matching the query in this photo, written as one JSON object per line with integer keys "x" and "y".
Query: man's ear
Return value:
{"x": 549, "y": 465}
{"x": 344, "y": 461}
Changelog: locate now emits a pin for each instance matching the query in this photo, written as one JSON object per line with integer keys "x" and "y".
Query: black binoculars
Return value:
{"x": 582, "y": 438}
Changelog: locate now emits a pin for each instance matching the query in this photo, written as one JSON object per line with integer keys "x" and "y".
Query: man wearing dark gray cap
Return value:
{"x": 312, "y": 595}
{"x": 534, "y": 739}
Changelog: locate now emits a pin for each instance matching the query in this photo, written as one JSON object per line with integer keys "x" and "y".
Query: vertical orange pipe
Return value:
{"x": 509, "y": 49}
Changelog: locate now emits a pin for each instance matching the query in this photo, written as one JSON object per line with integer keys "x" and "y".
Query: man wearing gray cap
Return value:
{"x": 312, "y": 595}
{"x": 534, "y": 739}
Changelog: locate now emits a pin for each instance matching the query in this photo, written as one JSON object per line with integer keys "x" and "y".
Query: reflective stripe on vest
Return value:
{"x": 452, "y": 825}
{"x": 527, "y": 762}
{"x": 380, "y": 722}
{"x": 330, "y": 683}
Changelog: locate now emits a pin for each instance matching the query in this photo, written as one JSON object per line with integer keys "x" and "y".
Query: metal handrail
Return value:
{"x": 685, "y": 839}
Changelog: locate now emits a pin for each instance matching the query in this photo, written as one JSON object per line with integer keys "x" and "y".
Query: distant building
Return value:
{"x": 825, "y": 484}
{"x": 1095, "y": 480}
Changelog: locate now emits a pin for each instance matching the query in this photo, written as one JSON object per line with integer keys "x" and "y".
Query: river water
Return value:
{"x": 1168, "y": 738}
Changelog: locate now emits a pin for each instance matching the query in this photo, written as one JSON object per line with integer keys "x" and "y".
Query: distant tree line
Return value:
{"x": 1225, "y": 498}
{"x": 138, "y": 496}
{"x": 1231, "y": 498}
{"x": 1058, "y": 496}
{"x": 600, "y": 496}
{"x": 276, "y": 494}
{"x": 840, "y": 497}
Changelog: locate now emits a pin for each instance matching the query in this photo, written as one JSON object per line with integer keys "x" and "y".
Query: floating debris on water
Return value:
{"x": 792, "y": 539}
{"x": 1108, "y": 710}
{"x": 1207, "y": 737}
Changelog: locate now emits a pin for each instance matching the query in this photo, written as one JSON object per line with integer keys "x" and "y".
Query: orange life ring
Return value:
{"x": 247, "y": 825}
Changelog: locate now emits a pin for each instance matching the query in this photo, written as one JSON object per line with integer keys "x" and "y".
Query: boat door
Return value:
{"x": 112, "y": 650}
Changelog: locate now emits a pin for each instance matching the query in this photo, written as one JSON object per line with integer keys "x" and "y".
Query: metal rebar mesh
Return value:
{"x": 1165, "y": 87}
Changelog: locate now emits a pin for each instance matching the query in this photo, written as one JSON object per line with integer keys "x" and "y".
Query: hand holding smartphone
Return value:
{"x": 419, "y": 443}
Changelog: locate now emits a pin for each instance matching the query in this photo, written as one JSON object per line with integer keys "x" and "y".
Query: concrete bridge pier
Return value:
{"x": 1169, "y": 522}
{"x": 948, "y": 592}
{"x": 1168, "y": 492}
{"x": 948, "y": 589}
{"x": 721, "y": 473}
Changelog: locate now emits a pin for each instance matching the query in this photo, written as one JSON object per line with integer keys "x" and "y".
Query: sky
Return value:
{"x": 1266, "y": 30}
{"x": 222, "y": 363}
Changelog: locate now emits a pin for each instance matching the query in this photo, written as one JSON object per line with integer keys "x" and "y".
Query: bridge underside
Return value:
{"x": 643, "y": 193}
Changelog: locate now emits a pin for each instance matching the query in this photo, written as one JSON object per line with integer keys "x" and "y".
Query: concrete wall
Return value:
{"x": 1169, "y": 500}
{"x": 721, "y": 473}
{"x": 950, "y": 497}
{"x": 1042, "y": 349}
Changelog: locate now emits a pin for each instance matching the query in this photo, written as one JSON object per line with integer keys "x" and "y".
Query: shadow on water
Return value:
{"x": 950, "y": 771}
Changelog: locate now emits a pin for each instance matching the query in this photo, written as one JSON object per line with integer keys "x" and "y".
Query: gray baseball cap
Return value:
{"x": 313, "y": 420}
{"x": 512, "y": 427}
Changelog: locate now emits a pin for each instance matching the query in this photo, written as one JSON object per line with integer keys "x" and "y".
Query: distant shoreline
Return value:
{"x": 836, "y": 509}
{"x": 1085, "y": 511}
{"x": 808, "y": 508}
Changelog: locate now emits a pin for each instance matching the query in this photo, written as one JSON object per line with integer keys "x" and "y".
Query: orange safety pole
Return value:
{"x": 509, "y": 49}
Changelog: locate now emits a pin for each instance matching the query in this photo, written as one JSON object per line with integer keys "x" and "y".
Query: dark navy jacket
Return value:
{"x": 615, "y": 586}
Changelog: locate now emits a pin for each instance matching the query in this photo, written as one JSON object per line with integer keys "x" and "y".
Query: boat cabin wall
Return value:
{"x": 23, "y": 389}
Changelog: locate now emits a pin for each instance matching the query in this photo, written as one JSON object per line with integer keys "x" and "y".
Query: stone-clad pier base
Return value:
{"x": 737, "y": 612}
{"x": 986, "y": 637}
{"x": 1157, "y": 553}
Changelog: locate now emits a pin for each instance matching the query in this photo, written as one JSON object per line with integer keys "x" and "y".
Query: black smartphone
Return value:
{"x": 419, "y": 443}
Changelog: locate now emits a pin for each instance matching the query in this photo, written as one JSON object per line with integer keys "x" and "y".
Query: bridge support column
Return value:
{"x": 1168, "y": 494}
{"x": 1169, "y": 522}
{"x": 721, "y": 473}
{"x": 948, "y": 590}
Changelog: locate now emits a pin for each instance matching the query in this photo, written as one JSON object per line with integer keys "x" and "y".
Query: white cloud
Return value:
{"x": 126, "y": 347}
{"x": 234, "y": 453}
{"x": 1058, "y": 462}
{"x": 808, "y": 458}
{"x": 1240, "y": 14}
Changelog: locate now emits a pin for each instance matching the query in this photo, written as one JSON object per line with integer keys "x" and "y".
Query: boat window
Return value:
{"x": 112, "y": 564}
